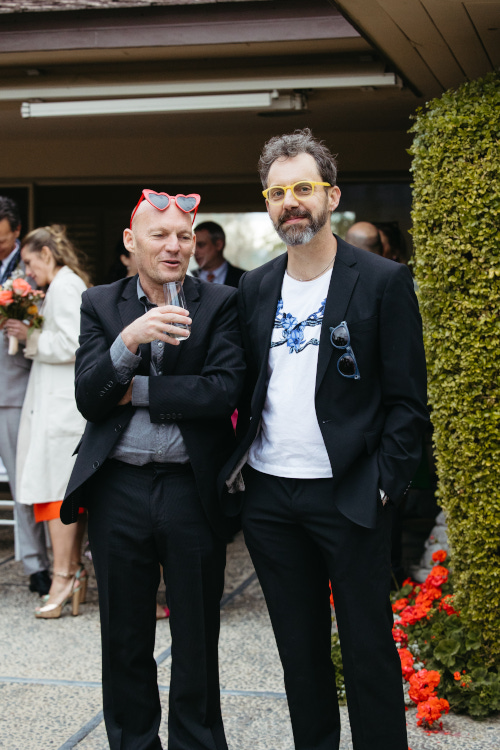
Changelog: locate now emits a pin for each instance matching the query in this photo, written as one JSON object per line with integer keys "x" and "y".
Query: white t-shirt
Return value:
{"x": 290, "y": 443}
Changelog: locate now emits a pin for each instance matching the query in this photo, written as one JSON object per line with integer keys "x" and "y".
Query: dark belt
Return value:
{"x": 158, "y": 468}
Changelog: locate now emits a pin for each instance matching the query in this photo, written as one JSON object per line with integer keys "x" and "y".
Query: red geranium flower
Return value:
{"x": 399, "y": 604}
{"x": 406, "y": 663}
{"x": 411, "y": 615}
{"x": 457, "y": 676}
{"x": 400, "y": 636}
{"x": 423, "y": 685}
{"x": 440, "y": 555}
{"x": 431, "y": 710}
{"x": 437, "y": 576}
{"x": 446, "y": 604}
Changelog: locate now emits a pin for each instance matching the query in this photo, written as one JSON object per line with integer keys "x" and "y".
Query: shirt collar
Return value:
{"x": 5, "y": 262}
{"x": 219, "y": 274}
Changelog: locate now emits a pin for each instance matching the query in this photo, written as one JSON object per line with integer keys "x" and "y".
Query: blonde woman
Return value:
{"x": 51, "y": 425}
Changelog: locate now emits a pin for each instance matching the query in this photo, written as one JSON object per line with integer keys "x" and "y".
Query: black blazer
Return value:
{"x": 372, "y": 427}
{"x": 233, "y": 275}
{"x": 199, "y": 388}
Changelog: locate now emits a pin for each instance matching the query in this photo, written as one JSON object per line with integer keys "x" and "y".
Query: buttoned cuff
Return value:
{"x": 124, "y": 362}
{"x": 140, "y": 391}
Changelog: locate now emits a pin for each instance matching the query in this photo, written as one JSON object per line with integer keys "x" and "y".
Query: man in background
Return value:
{"x": 14, "y": 373}
{"x": 213, "y": 267}
{"x": 365, "y": 236}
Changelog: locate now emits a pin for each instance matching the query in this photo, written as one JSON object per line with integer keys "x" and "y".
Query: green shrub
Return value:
{"x": 456, "y": 220}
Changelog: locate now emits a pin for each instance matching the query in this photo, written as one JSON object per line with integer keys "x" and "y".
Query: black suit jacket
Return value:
{"x": 233, "y": 275}
{"x": 372, "y": 427}
{"x": 199, "y": 388}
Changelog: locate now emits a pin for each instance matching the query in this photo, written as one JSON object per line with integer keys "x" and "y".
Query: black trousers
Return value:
{"x": 299, "y": 541}
{"x": 140, "y": 517}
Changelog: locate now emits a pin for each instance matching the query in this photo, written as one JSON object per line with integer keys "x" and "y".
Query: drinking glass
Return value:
{"x": 173, "y": 294}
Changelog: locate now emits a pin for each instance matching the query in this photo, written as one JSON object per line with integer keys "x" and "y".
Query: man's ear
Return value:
{"x": 219, "y": 244}
{"x": 128, "y": 240}
{"x": 17, "y": 231}
{"x": 333, "y": 197}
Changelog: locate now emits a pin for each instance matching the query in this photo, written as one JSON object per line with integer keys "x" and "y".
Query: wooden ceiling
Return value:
{"x": 435, "y": 44}
{"x": 432, "y": 44}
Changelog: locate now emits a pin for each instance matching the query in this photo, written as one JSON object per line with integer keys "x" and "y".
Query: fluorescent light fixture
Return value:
{"x": 260, "y": 101}
{"x": 358, "y": 77}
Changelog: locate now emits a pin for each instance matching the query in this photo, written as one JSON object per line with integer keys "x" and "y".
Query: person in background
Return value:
{"x": 393, "y": 243}
{"x": 51, "y": 425}
{"x": 209, "y": 254}
{"x": 365, "y": 236}
{"x": 14, "y": 373}
{"x": 124, "y": 264}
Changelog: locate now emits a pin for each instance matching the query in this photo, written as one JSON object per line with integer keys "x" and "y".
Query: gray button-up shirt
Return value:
{"x": 143, "y": 441}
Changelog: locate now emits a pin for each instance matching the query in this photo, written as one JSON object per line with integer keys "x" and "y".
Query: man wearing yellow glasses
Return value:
{"x": 330, "y": 431}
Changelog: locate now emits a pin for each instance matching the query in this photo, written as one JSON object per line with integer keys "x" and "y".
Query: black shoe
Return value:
{"x": 40, "y": 582}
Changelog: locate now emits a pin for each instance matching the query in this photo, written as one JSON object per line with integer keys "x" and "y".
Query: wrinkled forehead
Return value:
{"x": 147, "y": 217}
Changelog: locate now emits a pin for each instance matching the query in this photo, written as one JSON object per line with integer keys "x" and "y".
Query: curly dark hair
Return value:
{"x": 293, "y": 144}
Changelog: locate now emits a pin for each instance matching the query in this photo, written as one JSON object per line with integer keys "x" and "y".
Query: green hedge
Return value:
{"x": 456, "y": 219}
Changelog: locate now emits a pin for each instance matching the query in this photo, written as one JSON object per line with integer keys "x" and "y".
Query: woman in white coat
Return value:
{"x": 51, "y": 425}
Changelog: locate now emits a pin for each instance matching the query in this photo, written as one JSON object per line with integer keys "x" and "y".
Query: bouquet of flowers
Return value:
{"x": 18, "y": 301}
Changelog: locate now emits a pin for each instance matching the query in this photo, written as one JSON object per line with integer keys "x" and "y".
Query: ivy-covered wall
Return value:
{"x": 456, "y": 218}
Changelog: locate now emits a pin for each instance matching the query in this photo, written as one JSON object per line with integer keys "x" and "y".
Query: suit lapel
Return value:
{"x": 172, "y": 353}
{"x": 269, "y": 294}
{"x": 342, "y": 283}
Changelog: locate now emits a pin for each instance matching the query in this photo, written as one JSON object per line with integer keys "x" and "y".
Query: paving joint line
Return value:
{"x": 7, "y": 559}
{"x": 162, "y": 689}
{"x": 89, "y": 727}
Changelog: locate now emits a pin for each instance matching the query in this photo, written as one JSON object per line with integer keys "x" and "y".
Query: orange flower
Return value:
{"x": 406, "y": 663}
{"x": 431, "y": 710}
{"x": 423, "y": 685}
{"x": 437, "y": 576}
{"x": 446, "y": 604}
{"x": 457, "y": 676}
{"x": 32, "y": 310}
{"x": 21, "y": 286}
{"x": 400, "y": 636}
{"x": 399, "y": 604}
{"x": 439, "y": 555}
{"x": 6, "y": 297}
{"x": 411, "y": 615}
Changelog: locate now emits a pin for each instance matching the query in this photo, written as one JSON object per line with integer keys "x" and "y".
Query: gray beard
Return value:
{"x": 294, "y": 235}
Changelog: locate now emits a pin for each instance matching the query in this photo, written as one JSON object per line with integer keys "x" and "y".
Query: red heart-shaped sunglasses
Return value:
{"x": 161, "y": 201}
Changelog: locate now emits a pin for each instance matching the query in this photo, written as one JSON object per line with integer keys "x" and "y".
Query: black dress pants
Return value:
{"x": 140, "y": 517}
{"x": 299, "y": 541}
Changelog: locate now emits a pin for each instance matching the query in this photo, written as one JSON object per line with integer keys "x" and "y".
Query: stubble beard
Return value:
{"x": 295, "y": 235}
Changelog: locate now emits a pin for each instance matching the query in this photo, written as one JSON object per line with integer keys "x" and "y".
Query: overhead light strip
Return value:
{"x": 264, "y": 100}
{"x": 327, "y": 81}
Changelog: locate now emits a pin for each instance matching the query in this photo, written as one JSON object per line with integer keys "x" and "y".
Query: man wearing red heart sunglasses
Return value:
{"x": 159, "y": 430}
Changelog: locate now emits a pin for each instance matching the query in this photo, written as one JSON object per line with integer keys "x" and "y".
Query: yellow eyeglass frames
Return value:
{"x": 302, "y": 189}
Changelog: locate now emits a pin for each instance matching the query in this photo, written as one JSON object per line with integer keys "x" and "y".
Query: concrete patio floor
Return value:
{"x": 50, "y": 692}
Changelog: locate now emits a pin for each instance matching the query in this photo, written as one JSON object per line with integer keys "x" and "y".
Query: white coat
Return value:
{"x": 51, "y": 425}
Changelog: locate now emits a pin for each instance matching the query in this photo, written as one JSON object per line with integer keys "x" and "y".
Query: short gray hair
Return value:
{"x": 293, "y": 144}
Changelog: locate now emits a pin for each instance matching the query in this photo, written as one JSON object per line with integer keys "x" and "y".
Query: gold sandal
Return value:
{"x": 53, "y": 610}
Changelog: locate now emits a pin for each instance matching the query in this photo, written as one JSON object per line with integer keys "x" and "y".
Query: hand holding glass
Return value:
{"x": 173, "y": 294}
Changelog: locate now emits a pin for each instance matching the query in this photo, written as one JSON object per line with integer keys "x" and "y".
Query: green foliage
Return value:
{"x": 441, "y": 640}
{"x": 339, "y": 668}
{"x": 456, "y": 219}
